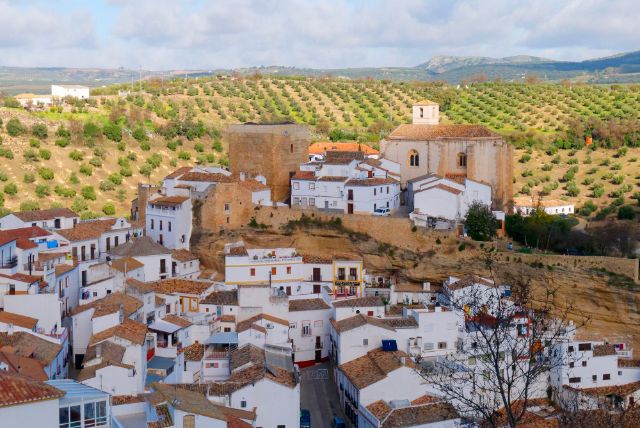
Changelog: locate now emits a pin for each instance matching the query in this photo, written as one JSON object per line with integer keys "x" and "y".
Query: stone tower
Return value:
{"x": 426, "y": 113}
{"x": 274, "y": 151}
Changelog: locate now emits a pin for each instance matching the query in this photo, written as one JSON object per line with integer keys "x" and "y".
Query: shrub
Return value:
{"x": 63, "y": 132}
{"x": 88, "y": 215}
{"x": 46, "y": 173}
{"x": 73, "y": 178}
{"x": 588, "y": 208}
{"x": 154, "y": 160}
{"x": 618, "y": 179}
{"x": 184, "y": 155}
{"x": 547, "y": 167}
{"x": 109, "y": 209}
{"x": 42, "y": 190}
{"x": 3, "y": 176}
{"x": 145, "y": 146}
{"x": 65, "y": 192}
{"x": 15, "y": 128}
{"x": 113, "y": 132}
{"x": 29, "y": 177}
{"x": 115, "y": 178}
{"x": 29, "y": 205}
{"x": 63, "y": 142}
{"x": 106, "y": 186}
{"x": 76, "y": 155}
{"x": 88, "y": 192}
{"x": 30, "y": 155}
{"x": 572, "y": 189}
{"x": 139, "y": 134}
{"x": 86, "y": 170}
{"x": 199, "y": 147}
{"x": 91, "y": 130}
{"x": 10, "y": 189}
{"x": 172, "y": 145}
{"x": 45, "y": 154}
{"x": 6, "y": 153}
{"x": 125, "y": 171}
{"x": 39, "y": 130}
{"x": 11, "y": 102}
{"x": 96, "y": 161}
{"x": 34, "y": 143}
{"x": 597, "y": 191}
{"x": 79, "y": 205}
{"x": 146, "y": 170}
{"x": 100, "y": 152}
{"x": 626, "y": 212}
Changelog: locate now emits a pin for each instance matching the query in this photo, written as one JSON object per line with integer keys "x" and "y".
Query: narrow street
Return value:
{"x": 319, "y": 395}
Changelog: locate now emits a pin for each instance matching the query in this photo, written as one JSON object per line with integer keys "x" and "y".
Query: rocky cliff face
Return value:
{"x": 610, "y": 302}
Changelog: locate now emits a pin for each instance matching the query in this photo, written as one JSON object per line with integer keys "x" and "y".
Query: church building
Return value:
{"x": 456, "y": 152}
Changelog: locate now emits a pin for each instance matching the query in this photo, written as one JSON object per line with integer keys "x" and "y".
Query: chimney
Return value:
{"x": 10, "y": 329}
{"x": 426, "y": 286}
{"x": 99, "y": 350}
{"x": 243, "y": 176}
{"x": 403, "y": 361}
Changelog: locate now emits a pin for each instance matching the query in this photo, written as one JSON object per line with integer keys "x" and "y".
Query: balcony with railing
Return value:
{"x": 9, "y": 263}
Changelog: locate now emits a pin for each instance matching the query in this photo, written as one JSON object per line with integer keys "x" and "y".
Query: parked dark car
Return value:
{"x": 337, "y": 423}
{"x": 305, "y": 418}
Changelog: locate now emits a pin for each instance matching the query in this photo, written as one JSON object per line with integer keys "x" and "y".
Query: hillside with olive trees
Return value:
{"x": 90, "y": 155}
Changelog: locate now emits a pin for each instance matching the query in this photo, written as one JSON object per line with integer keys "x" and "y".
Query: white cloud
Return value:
{"x": 165, "y": 34}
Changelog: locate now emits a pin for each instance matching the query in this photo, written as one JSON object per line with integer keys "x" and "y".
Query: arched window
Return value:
{"x": 462, "y": 160}
{"x": 414, "y": 158}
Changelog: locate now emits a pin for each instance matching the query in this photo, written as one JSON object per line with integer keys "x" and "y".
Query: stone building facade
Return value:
{"x": 274, "y": 151}
{"x": 452, "y": 151}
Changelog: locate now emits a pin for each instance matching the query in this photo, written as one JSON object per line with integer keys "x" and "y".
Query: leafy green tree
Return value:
{"x": 113, "y": 132}
{"x": 15, "y": 128}
{"x": 29, "y": 205}
{"x": 10, "y": 189}
{"x": 109, "y": 209}
{"x": 40, "y": 130}
{"x": 626, "y": 212}
{"x": 480, "y": 222}
{"x": 79, "y": 205}
{"x": 91, "y": 130}
{"x": 89, "y": 193}
{"x": 42, "y": 190}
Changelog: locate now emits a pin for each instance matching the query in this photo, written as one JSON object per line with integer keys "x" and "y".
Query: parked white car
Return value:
{"x": 382, "y": 211}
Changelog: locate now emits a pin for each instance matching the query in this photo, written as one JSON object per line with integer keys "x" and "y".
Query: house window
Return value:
{"x": 189, "y": 421}
{"x": 387, "y": 190}
{"x": 571, "y": 364}
{"x": 296, "y": 185}
{"x": 421, "y": 112}
{"x": 442, "y": 345}
{"x": 365, "y": 342}
{"x": 570, "y": 348}
{"x": 375, "y": 190}
{"x": 312, "y": 186}
{"x": 369, "y": 313}
{"x": 606, "y": 376}
{"x": 274, "y": 270}
{"x": 312, "y": 202}
{"x": 353, "y": 274}
{"x": 462, "y": 160}
{"x": 163, "y": 264}
{"x": 594, "y": 378}
{"x": 584, "y": 347}
{"x": 95, "y": 414}
{"x": 152, "y": 223}
{"x": 584, "y": 364}
{"x": 227, "y": 207}
{"x": 108, "y": 243}
{"x": 115, "y": 240}
{"x": 574, "y": 380}
{"x": 70, "y": 417}
{"x": 413, "y": 158}
{"x": 252, "y": 271}
{"x": 243, "y": 404}
{"x": 161, "y": 239}
{"x": 619, "y": 372}
{"x": 169, "y": 227}
{"x": 288, "y": 270}
{"x": 306, "y": 328}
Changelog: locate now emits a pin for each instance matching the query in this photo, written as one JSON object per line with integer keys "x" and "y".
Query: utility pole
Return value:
{"x": 140, "y": 83}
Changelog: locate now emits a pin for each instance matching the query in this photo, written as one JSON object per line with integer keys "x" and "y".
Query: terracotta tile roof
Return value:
{"x": 356, "y": 321}
{"x": 603, "y": 350}
{"x": 22, "y": 234}
{"x": 181, "y": 285}
{"x": 16, "y": 390}
{"x": 117, "y": 400}
{"x": 109, "y": 304}
{"x": 176, "y": 320}
{"x": 85, "y": 230}
{"x": 164, "y": 417}
{"x": 178, "y": 172}
{"x": 304, "y": 175}
{"x": 207, "y": 177}
{"x": 133, "y": 331}
{"x": 160, "y": 301}
{"x": 307, "y": 305}
{"x": 24, "y": 366}
{"x": 140, "y": 247}
{"x": 317, "y": 260}
{"x": 426, "y": 399}
{"x": 25, "y": 244}
{"x": 183, "y": 255}
{"x": 373, "y": 367}
{"x": 40, "y": 215}
{"x": 253, "y": 185}
{"x": 249, "y": 366}
{"x": 222, "y": 298}
{"x": 395, "y": 323}
{"x": 425, "y": 103}
{"x": 196, "y": 403}
{"x": 370, "y": 182}
{"x": 361, "y": 302}
{"x": 530, "y": 201}
{"x": 228, "y": 318}
{"x": 91, "y": 371}
{"x": 17, "y": 319}
{"x": 321, "y": 147}
{"x": 168, "y": 200}
{"x": 237, "y": 251}
{"x": 379, "y": 409}
{"x": 469, "y": 280}
{"x": 332, "y": 178}
{"x": 628, "y": 363}
{"x": 193, "y": 352}
{"x": 441, "y": 132}
{"x": 441, "y": 186}
{"x": 109, "y": 351}
{"x": 420, "y": 415}
{"x": 126, "y": 264}
{"x": 251, "y": 322}
{"x": 23, "y": 277}
{"x": 335, "y": 157}
{"x": 28, "y": 345}
{"x": 62, "y": 268}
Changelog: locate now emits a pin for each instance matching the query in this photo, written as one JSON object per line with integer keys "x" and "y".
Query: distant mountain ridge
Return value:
{"x": 619, "y": 68}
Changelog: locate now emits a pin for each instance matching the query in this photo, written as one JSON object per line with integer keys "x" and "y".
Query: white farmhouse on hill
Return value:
{"x": 75, "y": 91}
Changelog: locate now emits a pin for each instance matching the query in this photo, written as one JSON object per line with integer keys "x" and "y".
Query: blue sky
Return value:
{"x": 205, "y": 34}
